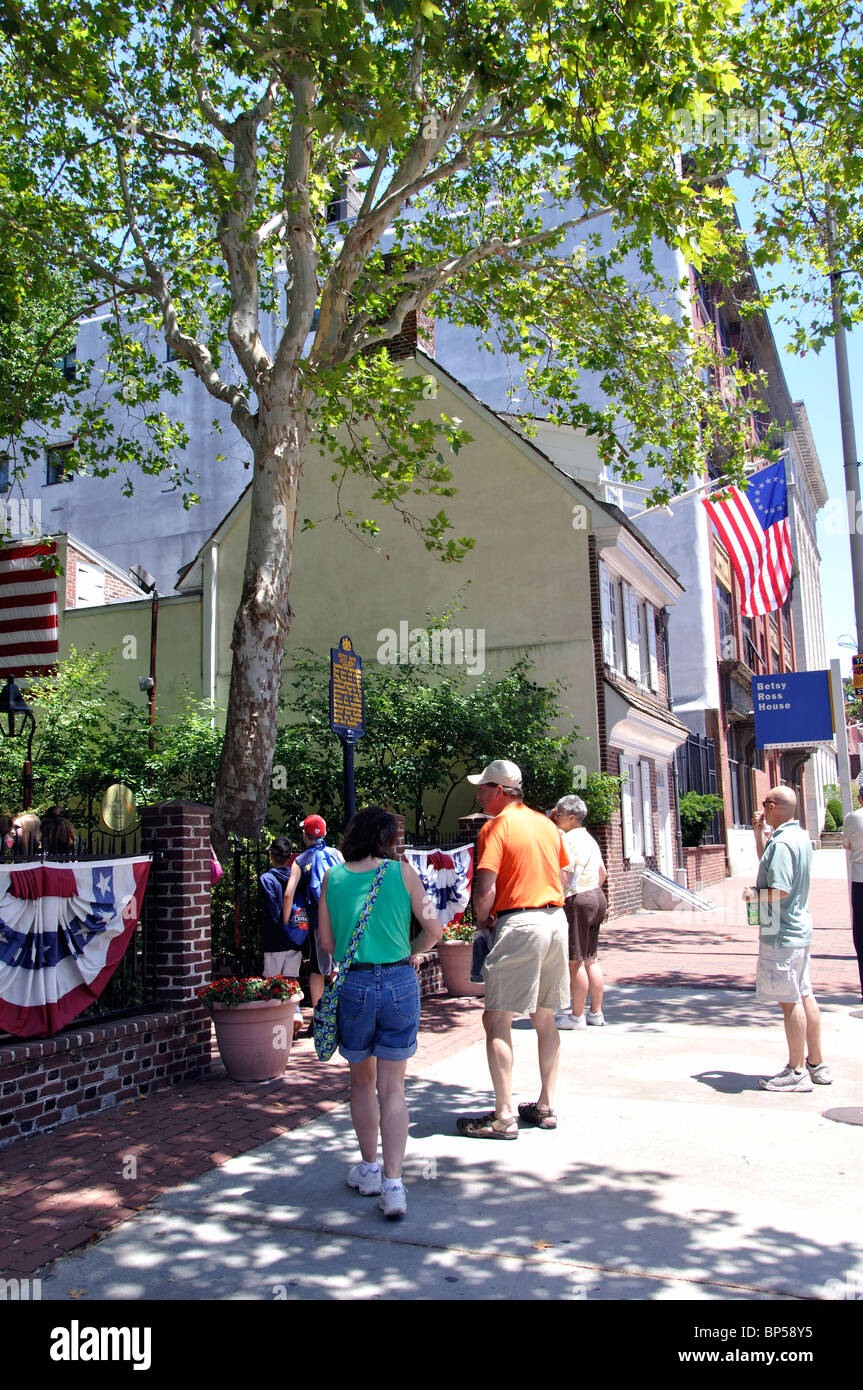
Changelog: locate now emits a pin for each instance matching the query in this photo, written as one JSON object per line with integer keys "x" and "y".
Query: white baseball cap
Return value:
{"x": 500, "y": 773}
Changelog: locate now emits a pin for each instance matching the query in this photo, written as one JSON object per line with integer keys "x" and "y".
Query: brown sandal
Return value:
{"x": 486, "y": 1127}
{"x": 532, "y": 1115}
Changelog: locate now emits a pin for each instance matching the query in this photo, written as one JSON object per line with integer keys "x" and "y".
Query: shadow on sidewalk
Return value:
{"x": 284, "y": 1219}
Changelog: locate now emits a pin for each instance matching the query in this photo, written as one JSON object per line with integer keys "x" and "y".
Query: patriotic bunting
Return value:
{"x": 64, "y": 929}
{"x": 447, "y": 876}
{"x": 28, "y": 611}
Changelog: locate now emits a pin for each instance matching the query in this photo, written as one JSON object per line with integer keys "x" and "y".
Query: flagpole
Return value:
{"x": 849, "y": 442}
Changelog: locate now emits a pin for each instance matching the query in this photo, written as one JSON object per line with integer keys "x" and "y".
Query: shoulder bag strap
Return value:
{"x": 357, "y": 933}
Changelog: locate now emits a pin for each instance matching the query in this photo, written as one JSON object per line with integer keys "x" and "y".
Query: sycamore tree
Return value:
{"x": 185, "y": 154}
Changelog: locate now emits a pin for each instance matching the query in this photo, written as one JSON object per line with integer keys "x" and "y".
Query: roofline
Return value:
{"x": 527, "y": 446}
{"x": 524, "y": 445}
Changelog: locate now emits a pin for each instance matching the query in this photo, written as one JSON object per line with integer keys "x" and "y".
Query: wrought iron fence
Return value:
{"x": 695, "y": 762}
{"x": 132, "y": 987}
{"x": 236, "y": 905}
{"x": 235, "y": 908}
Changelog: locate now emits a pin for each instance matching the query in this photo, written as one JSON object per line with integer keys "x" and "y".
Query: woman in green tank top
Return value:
{"x": 379, "y": 1000}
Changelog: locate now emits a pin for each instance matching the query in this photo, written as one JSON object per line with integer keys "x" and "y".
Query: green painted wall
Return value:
{"x": 525, "y": 585}
{"x": 123, "y": 629}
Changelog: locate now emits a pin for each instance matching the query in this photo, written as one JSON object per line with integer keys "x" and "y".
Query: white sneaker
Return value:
{"x": 596, "y": 1020}
{"x": 393, "y": 1201}
{"x": 787, "y": 1080}
{"x": 367, "y": 1183}
{"x": 568, "y": 1021}
{"x": 820, "y": 1073}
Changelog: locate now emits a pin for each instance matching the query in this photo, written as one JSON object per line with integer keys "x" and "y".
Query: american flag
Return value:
{"x": 28, "y": 610}
{"x": 755, "y": 529}
{"x": 64, "y": 929}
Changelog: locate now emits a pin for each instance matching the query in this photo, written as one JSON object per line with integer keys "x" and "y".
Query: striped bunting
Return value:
{"x": 28, "y": 611}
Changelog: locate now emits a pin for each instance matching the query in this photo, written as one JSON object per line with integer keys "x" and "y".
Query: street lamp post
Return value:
{"x": 147, "y": 584}
{"x": 18, "y": 717}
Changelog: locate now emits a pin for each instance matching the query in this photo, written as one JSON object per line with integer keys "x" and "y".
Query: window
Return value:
{"x": 170, "y": 355}
{"x": 727, "y": 635}
{"x": 67, "y": 365}
{"x": 58, "y": 461}
{"x": 4, "y": 473}
{"x": 612, "y": 641}
{"x": 628, "y": 631}
{"x": 637, "y": 810}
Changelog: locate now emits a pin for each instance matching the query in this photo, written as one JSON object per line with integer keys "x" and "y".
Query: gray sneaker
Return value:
{"x": 820, "y": 1073}
{"x": 368, "y": 1184}
{"x": 787, "y": 1080}
{"x": 393, "y": 1201}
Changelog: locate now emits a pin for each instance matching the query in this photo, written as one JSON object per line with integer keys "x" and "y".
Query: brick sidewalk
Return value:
{"x": 64, "y": 1189}
{"x": 718, "y": 949}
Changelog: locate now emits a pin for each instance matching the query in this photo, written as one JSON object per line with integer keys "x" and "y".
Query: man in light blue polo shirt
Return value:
{"x": 785, "y": 936}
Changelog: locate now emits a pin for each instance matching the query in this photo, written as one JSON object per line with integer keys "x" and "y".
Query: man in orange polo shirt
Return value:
{"x": 518, "y": 885}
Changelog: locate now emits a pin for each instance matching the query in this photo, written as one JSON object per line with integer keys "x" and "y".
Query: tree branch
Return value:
{"x": 301, "y": 236}
{"x": 185, "y": 346}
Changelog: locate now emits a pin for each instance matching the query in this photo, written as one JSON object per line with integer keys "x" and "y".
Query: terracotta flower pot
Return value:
{"x": 255, "y": 1039}
{"x": 455, "y": 958}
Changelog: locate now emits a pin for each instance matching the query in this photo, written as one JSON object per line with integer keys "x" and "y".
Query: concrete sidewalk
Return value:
{"x": 622, "y": 1092}
{"x": 671, "y": 1176}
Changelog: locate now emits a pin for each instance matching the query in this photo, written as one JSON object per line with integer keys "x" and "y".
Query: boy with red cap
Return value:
{"x": 304, "y": 886}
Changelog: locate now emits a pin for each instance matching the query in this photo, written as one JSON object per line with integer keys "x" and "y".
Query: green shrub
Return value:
{"x": 829, "y": 823}
{"x": 834, "y": 806}
{"x": 601, "y": 796}
{"x": 696, "y": 813}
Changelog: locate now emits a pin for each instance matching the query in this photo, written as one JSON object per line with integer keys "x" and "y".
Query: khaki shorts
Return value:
{"x": 282, "y": 963}
{"x": 783, "y": 974}
{"x": 528, "y": 966}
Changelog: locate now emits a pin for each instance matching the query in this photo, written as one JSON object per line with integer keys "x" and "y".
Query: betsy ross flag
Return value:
{"x": 28, "y": 610}
{"x": 64, "y": 929}
{"x": 755, "y": 529}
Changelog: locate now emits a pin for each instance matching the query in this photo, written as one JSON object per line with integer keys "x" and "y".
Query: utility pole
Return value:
{"x": 849, "y": 442}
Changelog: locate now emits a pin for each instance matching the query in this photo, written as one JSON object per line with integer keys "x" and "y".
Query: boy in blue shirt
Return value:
{"x": 282, "y": 940}
{"x": 305, "y": 882}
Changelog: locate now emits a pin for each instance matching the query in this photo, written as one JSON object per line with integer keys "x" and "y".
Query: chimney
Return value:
{"x": 417, "y": 332}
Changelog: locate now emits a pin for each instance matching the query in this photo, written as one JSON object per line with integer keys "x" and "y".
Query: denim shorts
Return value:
{"x": 379, "y": 1013}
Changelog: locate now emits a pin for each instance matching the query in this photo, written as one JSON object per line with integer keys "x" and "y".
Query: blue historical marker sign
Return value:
{"x": 792, "y": 709}
{"x": 347, "y": 701}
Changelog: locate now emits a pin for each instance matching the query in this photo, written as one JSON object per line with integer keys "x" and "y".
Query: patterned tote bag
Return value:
{"x": 325, "y": 1021}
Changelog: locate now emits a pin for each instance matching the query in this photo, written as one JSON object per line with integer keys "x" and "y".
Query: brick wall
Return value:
{"x": 705, "y": 864}
{"x": 114, "y": 588}
{"x": 52, "y": 1080}
{"x": 417, "y": 332}
{"x": 45, "y": 1082}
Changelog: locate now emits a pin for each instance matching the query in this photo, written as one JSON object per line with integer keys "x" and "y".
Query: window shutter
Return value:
{"x": 626, "y": 791}
{"x": 646, "y": 808}
{"x": 606, "y": 606}
{"x": 650, "y": 619}
{"x": 630, "y": 623}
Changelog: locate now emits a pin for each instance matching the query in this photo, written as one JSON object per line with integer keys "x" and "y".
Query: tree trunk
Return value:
{"x": 262, "y": 623}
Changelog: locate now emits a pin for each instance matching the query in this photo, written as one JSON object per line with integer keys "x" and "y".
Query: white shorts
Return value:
{"x": 783, "y": 974}
{"x": 285, "y": 963}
